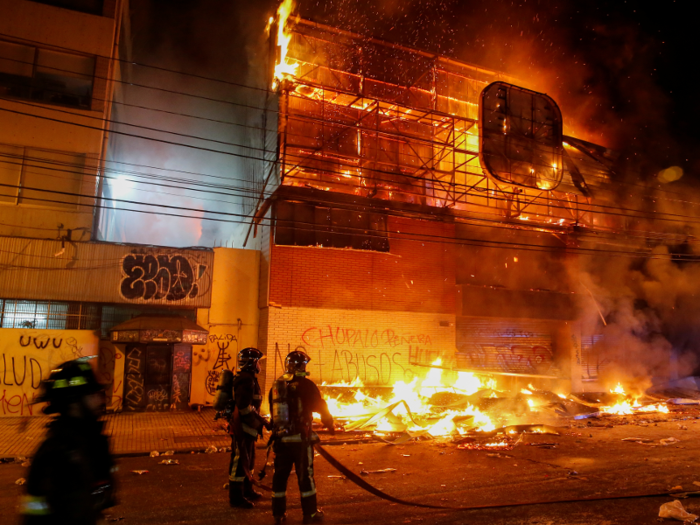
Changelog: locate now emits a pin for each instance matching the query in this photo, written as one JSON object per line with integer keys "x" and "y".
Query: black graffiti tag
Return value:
{"x": 158, "y": 277}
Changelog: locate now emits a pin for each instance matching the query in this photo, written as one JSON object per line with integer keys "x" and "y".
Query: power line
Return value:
{"x": 416, "y": 237}
{"x": 203, "y": 138}
{"x": 420, "y": 180}
{"x": 489, "y": 223}
{"x": 149, "y": 66}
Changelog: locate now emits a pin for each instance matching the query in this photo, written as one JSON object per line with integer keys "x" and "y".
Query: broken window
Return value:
{"x": 305, "y": 224}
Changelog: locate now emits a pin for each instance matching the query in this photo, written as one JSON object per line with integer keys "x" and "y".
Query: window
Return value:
{"x": 28, "y": 171}
{"x": 48, "y": 315}
{"x": 94, "y": 7}
{"x": 304, "y": 224}
{"x": 46, "y": 76}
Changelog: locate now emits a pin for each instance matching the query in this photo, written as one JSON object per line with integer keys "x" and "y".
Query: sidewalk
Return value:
{"x": 130, "y": 433}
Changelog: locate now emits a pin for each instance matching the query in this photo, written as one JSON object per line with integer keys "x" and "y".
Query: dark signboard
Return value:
{"x": 521, "y": 136}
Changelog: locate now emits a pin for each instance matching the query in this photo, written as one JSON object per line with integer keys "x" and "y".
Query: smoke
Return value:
{"x": 221, "y": 40}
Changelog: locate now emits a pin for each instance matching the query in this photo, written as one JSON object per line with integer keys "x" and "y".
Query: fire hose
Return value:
{"x": 379, "y": 493}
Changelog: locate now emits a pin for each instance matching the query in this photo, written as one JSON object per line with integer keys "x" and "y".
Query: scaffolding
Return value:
{"x": 374, "y": 119}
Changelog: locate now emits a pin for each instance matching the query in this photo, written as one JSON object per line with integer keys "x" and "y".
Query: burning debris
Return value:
{"x": 468, "y": 409}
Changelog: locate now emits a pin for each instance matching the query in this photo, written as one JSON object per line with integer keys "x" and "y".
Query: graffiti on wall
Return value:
{"x": 157, "y": 277}
{"x": 27, "y": 356}
{"x": 182, "y": 372}
{"x": 515, "y": 358}
{"x": 106, "y": 366}
{"x": 221, "y": 362}
{"x": 133, "y": 372}
{"x": 376, "y": 356}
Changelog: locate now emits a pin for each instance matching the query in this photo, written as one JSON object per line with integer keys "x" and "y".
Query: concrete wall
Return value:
{"x": 28, "y": 356}
{"x": 232, "y": 320}
{"x": 64, "y": 30}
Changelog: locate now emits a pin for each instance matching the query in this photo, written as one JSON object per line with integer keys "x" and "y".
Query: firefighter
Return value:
{"x": 293, "y": 398}
{"x": 70, "y": 479}
{"x": 245, "y": 427}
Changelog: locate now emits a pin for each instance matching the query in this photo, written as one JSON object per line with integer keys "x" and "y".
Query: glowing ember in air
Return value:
{"x": 282, "y": 67}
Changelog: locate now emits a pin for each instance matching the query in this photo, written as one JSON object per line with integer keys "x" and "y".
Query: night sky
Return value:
{"x": 622, "y": 72}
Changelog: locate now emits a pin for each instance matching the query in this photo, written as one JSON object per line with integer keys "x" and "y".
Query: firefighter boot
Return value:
{"x": 279, "y": 509}
{"x": 235, "y": 496}
{"x": 249, "y": 492}
{"x": 312, "y": 514}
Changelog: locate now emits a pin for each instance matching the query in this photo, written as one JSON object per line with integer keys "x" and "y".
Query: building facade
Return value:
{"x": 162, "y": 321}
{"x": 392, "y": 239}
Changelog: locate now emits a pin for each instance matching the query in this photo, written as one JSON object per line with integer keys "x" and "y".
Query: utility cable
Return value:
{"x": 671, "y": 217}
{"x": 221, "y": 216}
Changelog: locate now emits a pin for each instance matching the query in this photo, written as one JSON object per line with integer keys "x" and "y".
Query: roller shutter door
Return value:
{"x": 506, "y": 346}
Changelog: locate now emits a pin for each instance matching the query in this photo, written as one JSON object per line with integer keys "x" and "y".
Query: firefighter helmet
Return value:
{"x": 68, "y": 383}
{"x": 295, "y": 363}
{"x": 248, "y": 360}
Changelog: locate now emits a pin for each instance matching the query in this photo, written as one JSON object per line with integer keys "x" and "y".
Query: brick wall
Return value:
{"x": 418, "y": 275}
{"x": 379, "y": 347}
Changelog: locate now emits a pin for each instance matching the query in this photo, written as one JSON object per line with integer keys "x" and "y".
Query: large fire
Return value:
{"x": 408, "y": 408}
{"x": 282, "y": 66}
{"x": 444, "y": 405}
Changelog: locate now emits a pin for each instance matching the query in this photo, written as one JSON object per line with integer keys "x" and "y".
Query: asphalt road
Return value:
{"x": 588, "y": 462}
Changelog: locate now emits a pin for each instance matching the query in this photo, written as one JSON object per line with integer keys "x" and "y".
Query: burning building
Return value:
{"x": 423, "y": 208}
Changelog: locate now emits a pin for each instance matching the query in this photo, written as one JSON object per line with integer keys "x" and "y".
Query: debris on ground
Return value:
{"x": 337, "y": 477}
{"x": 155, "y": 453}
{"x": 169, "y": 462}
{"x": 20, "y": 481}
{"x": 674, "y": 509}
{"x": 638, "y": 440}
{"x": 211, "y": 450}
{"x": 225, "y": 486}
{"x": 669, "y": 441}
{"x": 140, "y": 472}
{"x": 168, "y": 453}
{"x": 542, "y": 445}
{"x": 380, "y": 471}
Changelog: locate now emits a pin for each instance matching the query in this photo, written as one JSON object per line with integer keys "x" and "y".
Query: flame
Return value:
{"x": 631, "y": 406}
{"x": 618, "y": 389}
{"x": 283, "y": 67}
{"x": 413, "y": 411}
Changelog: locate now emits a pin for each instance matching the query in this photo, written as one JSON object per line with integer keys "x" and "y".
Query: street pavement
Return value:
{"x": 588, "y": 460}
{"x": 130, "y": 433}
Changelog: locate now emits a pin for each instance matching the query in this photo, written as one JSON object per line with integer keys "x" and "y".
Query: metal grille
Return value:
{"x": 593, "y": 356}
{"x": 48, "y": 315}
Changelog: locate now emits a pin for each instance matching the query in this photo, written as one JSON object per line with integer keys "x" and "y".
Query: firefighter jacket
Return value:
{"x": 70, "y": 478}
{"x": 248, "y": 398}
{"x": 304, "y": 398}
